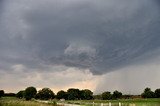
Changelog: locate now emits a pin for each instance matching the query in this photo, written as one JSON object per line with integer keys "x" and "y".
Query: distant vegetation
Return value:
{"x": 150, "y": 94}
{"x": 76, "y": 94}
{"x": 12, "y": 101}
{"x": 1, "y": 93}
{"x": 47, "y": 93}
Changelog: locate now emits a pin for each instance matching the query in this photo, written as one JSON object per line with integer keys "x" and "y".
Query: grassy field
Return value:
{"x": 11, "y": 101}
{"x": 124, "y": 102}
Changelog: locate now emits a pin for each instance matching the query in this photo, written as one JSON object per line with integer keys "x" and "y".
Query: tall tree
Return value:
{"x": 116, "y": 95}
{"x": 148, "y": 93}
{"x": 106, "y": 95}
{"x": 1, "y": 93}
{"x": 45, "y": 94}
{"x": 73, "y": 94}
{"x": 30, "y": 93}
{"x": 61, "y": 95}
{"x": 157, "y": 93}
{"x": 86, "y": 94}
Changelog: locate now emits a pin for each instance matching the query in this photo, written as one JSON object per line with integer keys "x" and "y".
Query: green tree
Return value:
{"x": 1, "y": 93}
{"x": 148, "y": 93}
{"x": 116, "y": 95}
{"x": 20, "y": 94}
{"x": 157, "y": 93}
{"x": 30, "y": 93}
{"x": 45, "y": 94}
{"x": 73, "y": 94}
{"x": 86, "y": 94}
{"x": 61, "y": 95}
{"x": 106, "y": 95}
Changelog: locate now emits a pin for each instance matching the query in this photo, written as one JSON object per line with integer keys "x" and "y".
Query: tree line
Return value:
{"x": 148, "y": 93}
{"x": 47, "y": 93}
{"x": 76, "y": 94}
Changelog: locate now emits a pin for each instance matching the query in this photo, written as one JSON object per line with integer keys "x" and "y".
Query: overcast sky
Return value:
{"x": 96, "y": 44}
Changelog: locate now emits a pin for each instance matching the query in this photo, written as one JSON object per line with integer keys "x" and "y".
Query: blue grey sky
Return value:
{"x": 80, "y": 43}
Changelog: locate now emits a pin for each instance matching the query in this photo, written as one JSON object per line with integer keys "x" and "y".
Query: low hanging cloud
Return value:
{"x": 99, "y": 36}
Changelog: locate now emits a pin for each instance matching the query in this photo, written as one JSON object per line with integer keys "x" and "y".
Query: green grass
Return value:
{"x": 12, "y": 101}
{"x": 157, "y": 100}
{"x": 125, "y": 102}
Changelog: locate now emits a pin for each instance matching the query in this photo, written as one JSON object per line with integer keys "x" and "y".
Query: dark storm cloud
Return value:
{"x": 98, "y": 35}
{"x": 1, "y": 5}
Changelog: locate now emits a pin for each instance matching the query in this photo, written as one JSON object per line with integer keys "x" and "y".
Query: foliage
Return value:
{"x": 30, "y": 93}
{"x": 116, "y": 95}
{"x": 157, "y": 93}
{"x": 61, "y": 95}
{"x": 86, "y": 94}
{"x": 20, "y": 94}
{"x": 148, "y": 93}
{"x": 45, "y": 94}
{"x": 73, "y": 94}
{"x": 1, "y": 93}
{"x": 76, "y": 94}
{"x": 106, "y": 95}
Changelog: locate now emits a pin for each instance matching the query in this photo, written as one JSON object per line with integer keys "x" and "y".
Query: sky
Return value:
{"x": 101, "y": 45}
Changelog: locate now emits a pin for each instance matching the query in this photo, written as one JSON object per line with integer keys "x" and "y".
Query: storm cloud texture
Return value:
{"x": 100, "y": 36}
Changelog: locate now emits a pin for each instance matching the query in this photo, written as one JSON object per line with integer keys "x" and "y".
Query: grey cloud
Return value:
{"x": 98, "y": 35}
{"x": 131, "y": 79}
